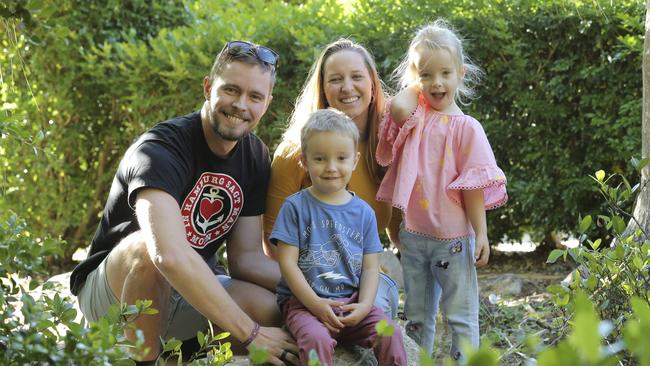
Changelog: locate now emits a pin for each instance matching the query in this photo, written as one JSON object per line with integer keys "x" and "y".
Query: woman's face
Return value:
{"x": 348, "y": 86}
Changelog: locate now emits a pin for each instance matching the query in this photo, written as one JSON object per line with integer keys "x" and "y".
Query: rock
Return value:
{"x": 507, "y": 284}
{"x": 348, "y": 356}
{"x": 390, "y": 264}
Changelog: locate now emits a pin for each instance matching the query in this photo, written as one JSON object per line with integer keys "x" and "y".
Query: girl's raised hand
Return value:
{"x": 404, "y": 103}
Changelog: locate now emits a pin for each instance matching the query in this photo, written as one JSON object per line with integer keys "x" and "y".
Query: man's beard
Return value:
{"x": 224, "y": 134}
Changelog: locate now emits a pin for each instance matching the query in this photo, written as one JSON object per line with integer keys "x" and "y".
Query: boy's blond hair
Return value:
{"x": 328, "y": 120}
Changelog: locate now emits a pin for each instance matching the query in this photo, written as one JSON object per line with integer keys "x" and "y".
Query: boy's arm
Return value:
{"x": 475, "y": 207}
{"x": 321, "y": 308}
{"x": 404, "y": 104}
{"x": 367, "y": 291}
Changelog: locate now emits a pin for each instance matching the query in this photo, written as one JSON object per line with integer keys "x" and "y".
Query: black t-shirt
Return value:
{"x": 212, "y": 192}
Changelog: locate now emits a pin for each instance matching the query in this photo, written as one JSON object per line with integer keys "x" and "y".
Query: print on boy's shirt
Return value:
{"x": 327, "y": 256}
{"x": 341, "y": 228}
{"x": 327, "y": 288}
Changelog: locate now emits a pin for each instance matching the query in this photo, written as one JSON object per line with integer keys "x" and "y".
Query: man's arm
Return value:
{"x": 246, "y": 258}
{"x": 161, "y": 224}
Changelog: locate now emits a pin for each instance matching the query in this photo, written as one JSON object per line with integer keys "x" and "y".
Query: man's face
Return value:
{"x": 237, "y": 99}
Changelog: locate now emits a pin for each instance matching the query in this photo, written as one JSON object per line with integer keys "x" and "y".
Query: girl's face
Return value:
{"x": 439, "y": 77}
{"x": 348, "y": 86}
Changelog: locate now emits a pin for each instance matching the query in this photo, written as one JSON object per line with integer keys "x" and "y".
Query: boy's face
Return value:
{"x": 330, "y": 159}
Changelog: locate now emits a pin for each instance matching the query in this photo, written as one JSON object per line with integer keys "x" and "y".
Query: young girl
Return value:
{"x": 443, "y": 177}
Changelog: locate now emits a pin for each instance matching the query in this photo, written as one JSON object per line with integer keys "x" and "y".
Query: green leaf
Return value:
{"x": 425, "y": 359}
{"x": 257, "y": 356}
{"x": 585, "y": 224}
{"x": 554, "y": 255}
{"x": 172, "y": 344}
{"x": 618, "y": 224}
{"x": 485, "y": 356}
{"x": 600, "y": 175}
{"x": 584, "y": 335}
{"x": 201, "y": 338}
{"x": 642, "y": 163}
{"x": 384, "y": 329}
{"x": 220, "y": 336}
{"x": 592, "y": 281}
{"x": 313, "y": 359}
{"x": 596, "y": 244}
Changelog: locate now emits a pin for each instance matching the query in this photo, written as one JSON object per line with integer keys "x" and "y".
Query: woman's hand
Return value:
{"x": 357, "y": 312}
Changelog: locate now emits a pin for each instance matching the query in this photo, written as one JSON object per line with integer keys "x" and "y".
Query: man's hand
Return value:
{"x": 356, "y": 313}
{"x": 482, "y": 251}
{"x": 322, "y": 309}
{"x": 276, "y": 341}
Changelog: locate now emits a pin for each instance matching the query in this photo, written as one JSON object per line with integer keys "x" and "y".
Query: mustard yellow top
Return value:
{"x": 287, "y": 178}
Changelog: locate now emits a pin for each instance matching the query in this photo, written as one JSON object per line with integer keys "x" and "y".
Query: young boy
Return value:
{"x": 328, "y": 250}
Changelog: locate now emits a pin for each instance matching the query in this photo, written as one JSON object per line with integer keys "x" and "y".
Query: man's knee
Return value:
{"x": 129, "y": 261}
{"x": 258, "y": 302}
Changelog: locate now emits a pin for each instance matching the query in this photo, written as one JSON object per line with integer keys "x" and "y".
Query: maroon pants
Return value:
{"x": 310, "y": 334}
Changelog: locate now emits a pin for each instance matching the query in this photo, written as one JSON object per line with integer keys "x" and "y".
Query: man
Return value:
{"x": 186, "y": 186}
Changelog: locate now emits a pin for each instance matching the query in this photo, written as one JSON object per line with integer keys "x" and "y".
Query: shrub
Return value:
{"x": 612, "y": 276}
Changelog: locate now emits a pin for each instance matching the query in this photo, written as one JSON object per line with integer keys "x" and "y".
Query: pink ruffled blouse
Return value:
{"x": 432, "y": 157}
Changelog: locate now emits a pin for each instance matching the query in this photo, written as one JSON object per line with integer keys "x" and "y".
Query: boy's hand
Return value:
{"x": 322, "y": 309}
{"x": 357, "y": 312}
{"x": 404, "y": 104}
{"x": 482, "y": 251}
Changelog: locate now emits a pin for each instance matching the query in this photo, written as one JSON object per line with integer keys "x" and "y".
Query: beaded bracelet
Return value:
{"x": 256, "y": 330}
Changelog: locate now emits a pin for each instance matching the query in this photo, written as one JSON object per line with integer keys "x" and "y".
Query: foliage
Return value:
{"x": 81, "y": 80}
{"x": 211, "y": 350}
{"x": 44, "y": 330}
{"x": 612, "y": 276}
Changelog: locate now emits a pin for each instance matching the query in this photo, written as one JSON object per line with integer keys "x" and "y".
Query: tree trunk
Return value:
{"x": 642, "y": 206}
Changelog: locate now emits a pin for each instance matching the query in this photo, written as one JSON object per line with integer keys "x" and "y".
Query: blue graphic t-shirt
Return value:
{"x": 331, "y": 239}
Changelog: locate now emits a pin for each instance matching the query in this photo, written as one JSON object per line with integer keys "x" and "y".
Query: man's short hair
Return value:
{"x": 328, "y": 120}
{"x": 227, "y": 56}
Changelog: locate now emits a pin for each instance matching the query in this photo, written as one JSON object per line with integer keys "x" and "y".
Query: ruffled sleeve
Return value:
{"x": 392, "y": 136}
{"x": 476, "y": 165}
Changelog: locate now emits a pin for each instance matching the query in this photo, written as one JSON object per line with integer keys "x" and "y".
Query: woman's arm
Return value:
{"x": 286, "y": 179}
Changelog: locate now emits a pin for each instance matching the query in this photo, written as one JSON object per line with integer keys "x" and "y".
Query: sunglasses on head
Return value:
{"x": 264, "y": 54}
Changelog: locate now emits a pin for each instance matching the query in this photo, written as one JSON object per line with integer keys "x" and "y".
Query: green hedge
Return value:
{"x": 561, "y": 99}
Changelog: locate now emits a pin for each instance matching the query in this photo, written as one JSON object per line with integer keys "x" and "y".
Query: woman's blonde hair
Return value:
{"x": 435, "y": 36}
{"x": 313, "y": 98}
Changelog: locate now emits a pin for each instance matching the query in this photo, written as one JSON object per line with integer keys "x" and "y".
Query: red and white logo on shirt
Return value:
{"x": 211, "y": 208}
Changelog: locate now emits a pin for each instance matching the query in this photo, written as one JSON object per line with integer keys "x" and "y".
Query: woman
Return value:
{"x": 343, "y": 77}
